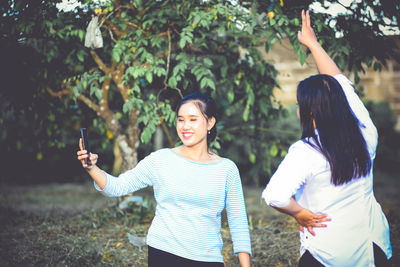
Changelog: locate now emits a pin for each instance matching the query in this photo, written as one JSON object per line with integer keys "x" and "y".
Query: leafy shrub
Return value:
{"x": 388, "y": 151}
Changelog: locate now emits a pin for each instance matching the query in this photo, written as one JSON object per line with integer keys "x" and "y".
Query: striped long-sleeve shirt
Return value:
{"x": 190, "y": 197}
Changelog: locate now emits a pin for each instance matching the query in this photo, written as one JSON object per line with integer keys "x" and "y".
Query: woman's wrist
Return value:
{"x": 89, "y": 168}
{"x": 314, "y": 46}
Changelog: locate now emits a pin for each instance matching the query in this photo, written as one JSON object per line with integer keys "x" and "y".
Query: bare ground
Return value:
{"x": 73, "y": 225}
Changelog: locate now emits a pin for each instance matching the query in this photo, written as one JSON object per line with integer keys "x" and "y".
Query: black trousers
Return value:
{"x": 307, "y": 260}
{"x": 159, "y": 258}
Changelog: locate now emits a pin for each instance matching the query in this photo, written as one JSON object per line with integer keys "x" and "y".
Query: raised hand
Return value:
{"x": 82, "y": 155}
{"x": 306, "y": 36}
{"x": 307, "y": 219}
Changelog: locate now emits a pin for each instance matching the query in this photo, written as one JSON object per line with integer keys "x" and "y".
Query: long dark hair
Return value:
{"x": 207, "y": 107}
{"x": 321, "y": 99}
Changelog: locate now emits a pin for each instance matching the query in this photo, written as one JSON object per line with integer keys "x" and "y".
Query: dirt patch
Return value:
{"x": 74, "y": 225}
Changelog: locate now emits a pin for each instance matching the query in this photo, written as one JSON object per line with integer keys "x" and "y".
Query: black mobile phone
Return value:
{"x": 85, "y": 143}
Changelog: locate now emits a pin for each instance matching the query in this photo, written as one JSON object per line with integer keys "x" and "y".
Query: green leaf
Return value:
{"x": 208, "y": 62}
{"x": 203, "y": 82}
{"x": 182, "y": 42}
{"x": 127, "y": 107}
{"x": 302, "y": 56}
{"x": 172, "y": 82}
{"x": 196, "y": 20}
{"x": 252, "y": 158}
{"x": 146, "y": 135}
{"x": 231, "y": 96}
{"x": 136, "y": 88}
{"x": 75, "y": 91}
{"x": 211, "y": 84}
{"x": 81, "y": 34}
{"x": 246, "y": 113}
{"x": 319, "y": 27}
{"x": 273, "y": 151}
{"x": 98, "y": 94}
{"x": 345, "y": 50}
{"x": 123, "y": 26}
{"x": 149, "y": 76}
{"x": 115, "y": 55}
{"x": 80, "y": 56}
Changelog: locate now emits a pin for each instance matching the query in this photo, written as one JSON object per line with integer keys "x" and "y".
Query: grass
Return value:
{"x": 73, "y": 225}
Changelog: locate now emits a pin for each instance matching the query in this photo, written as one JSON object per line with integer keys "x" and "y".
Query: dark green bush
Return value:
{"x": 388, "y": 151}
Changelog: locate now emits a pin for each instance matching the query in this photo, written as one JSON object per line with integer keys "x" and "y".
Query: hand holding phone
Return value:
{"x": 85, "y": 144}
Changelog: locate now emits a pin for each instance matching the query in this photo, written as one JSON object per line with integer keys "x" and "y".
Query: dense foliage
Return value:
{"x": 154, "y": 52}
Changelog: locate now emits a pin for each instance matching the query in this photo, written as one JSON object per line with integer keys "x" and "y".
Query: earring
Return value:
{"x": 208, "y": 132}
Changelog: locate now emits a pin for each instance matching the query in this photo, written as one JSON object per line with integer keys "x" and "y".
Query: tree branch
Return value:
{"x": 165, "y": 130}
{"x": 89, "y": 103}
{"x": 118, "y": 79}
{"x": 115, "y": 29}
{"x": 105, "y": 89}
{"x": 111, "y": 35}
{"x": 168, "y": 57}
{"x": 99, "y": 62}
{"x": 112, "y": 13}
{"x": 81, "y": 97}
{"x": 59, "y": 94}
{"x": 168, "y": 53}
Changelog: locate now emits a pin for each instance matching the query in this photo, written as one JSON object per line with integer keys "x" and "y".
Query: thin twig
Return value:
{"x": 169, "y": 57}
{"x": 111, "y": 35}
{"x": 162, "y": 123}
{"x": 112, "y": 13}
{"x": 167, "y": 69}
{"x": 165, "y": 129}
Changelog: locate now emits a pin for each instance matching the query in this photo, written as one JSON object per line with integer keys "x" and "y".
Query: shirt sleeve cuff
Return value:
{"x": 273, "y": 201}
{"x": 244, "y": 249}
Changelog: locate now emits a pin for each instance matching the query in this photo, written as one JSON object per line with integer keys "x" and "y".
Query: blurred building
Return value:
{"x": 378, "y": 86}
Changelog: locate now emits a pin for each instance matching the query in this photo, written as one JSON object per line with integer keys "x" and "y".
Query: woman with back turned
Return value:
{"x": 191, "y": 186}
{"x": 325, "y": 181}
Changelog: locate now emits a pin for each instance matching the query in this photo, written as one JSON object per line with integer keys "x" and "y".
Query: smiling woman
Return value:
{"x": 196, "y": 125}
{"x": 192, "y": 186}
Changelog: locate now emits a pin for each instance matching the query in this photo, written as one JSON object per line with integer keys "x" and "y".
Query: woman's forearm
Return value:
{"x": 304, "y": 217}
{"x": 244, "y": 259}
{"x": 98, "y": 176}
{"x": 292, "y": 209}
{"x": 325, "y": 63}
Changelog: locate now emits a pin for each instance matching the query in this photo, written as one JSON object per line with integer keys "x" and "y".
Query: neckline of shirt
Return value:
{"x": 196, "y": 162}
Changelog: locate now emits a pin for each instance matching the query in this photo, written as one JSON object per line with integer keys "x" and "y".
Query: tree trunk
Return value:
{"x": 158, "y": 139}
{"x": 128, "y": 143}
{"x": 118, "y": 159}
{"x": 129, "y": 153}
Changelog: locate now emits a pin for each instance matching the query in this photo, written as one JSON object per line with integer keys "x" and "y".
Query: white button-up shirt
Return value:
{"x": 357, "y": 218}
